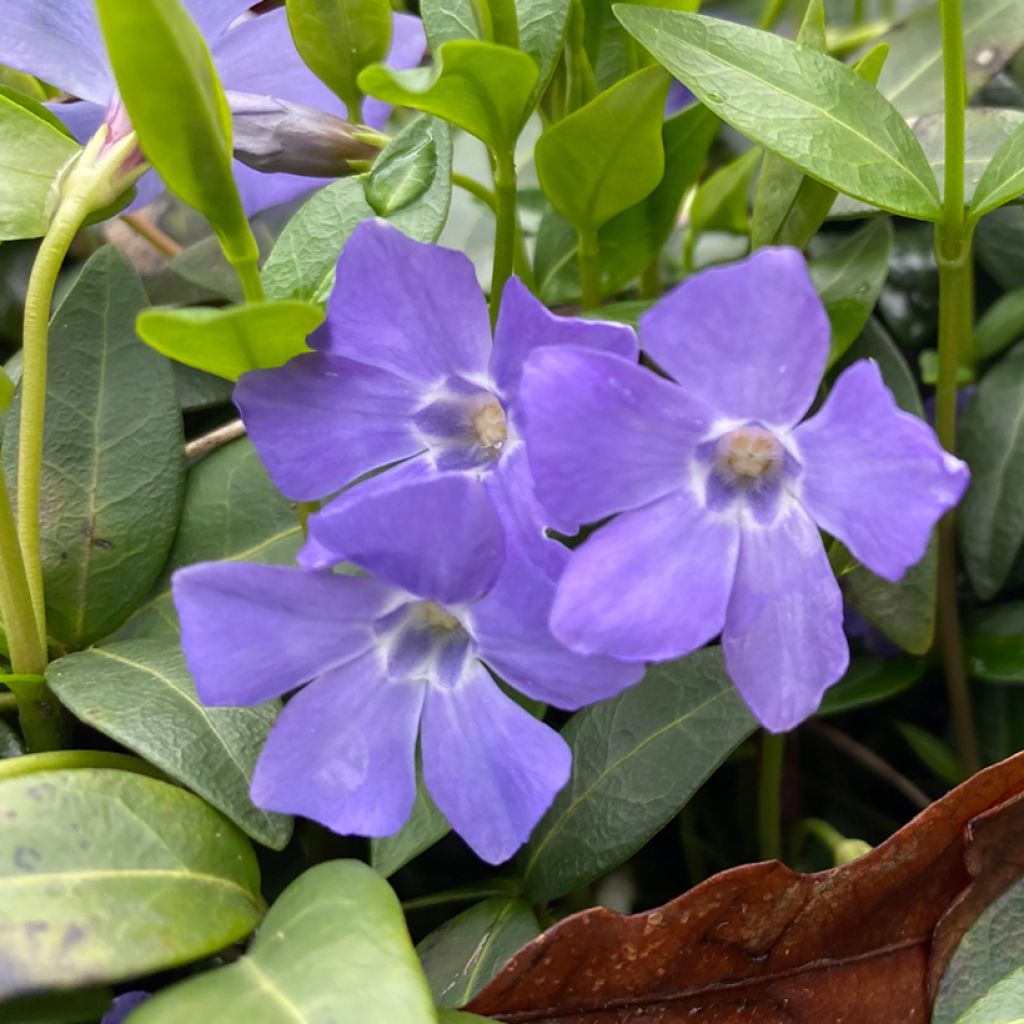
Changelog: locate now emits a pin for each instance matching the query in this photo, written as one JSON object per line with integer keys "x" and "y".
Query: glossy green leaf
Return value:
{"x": 606, "y": 156}
{"x": 425, "y": 827}
{"x": 338, "y": 38}
{"x": 994, "y": 643}
{"x": 935, "y": 754}
{"x": 467, "y": 951}
{"x": 302, "y": 263}
{"x": 721, "y": 203}
{"x": 32, "y": 152}
{"x": 213, "y": 751}
{"x": 1000, "y": 325}
{"x": 481, "y": 87}
{"x": 992, "y": 442}
{"x": 232, "y": 340}
{"x": 105, "y": 875}
{"x": 170, "y": 88}
{"x": 637, "y": 759}
{"x": 232, "y": 512}
{"x": 410, "y": 183}
{"x": 849, "y": 272}
{"x": 333, "y": 948}
{"x": 761, "y": 84}
{"x": 903, "y": 611}
{"x": 113, "y": 466}
{"x": 870, "y": 681}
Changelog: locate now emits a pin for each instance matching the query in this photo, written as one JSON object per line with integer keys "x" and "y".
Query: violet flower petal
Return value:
{"x": 603, "y": 434}
{"x": 651, "y": 585}
{"x": 260, "y": 191}
{"x": 875, "y": 476}
{"x": 253, "y": 632}
{"x": 438, "y": 538}
{"x": 510, "y": 627}
{"x": 783, "y": 639}
{"x": 749, "y": 339}
{"x": 321, "y": 421}
{"x": 525, "y": 324}
{"x": 408, "y": 307}
{"x": 82, "y": 118}
{"x": 490, "y": 766}
{"x": 214, "y": 17}
{"x": 342, "y": 751}
{"x": 123, "y": 1005}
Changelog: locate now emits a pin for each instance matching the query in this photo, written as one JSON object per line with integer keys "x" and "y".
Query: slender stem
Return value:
{"x": 477, "y": 190}
{"x": 770, "y": 13}
{"x": 769, "y": 796}
{"x": 858, "y": 12}
{"x": 215, "y": 439}
{"x": 504, "y": 22}
{"x": 590, "y": 269}
{"x": 505, "y": 228}
{"x": 25, "y": 643}
{"x": 650, "y": 280}
{"x": 252, "y": 284}
{"x": 146, "y": 229}
{"x": 955, "y": 86}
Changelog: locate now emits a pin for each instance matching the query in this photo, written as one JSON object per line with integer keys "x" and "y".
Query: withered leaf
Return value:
{"x": 761, "y": 943}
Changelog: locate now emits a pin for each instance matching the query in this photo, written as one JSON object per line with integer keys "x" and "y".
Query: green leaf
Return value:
{"x": 213, "y": 751}
{"x": 849, "y": 272}
{"x": 760, "y": 84}
{"x": 455, "y": 1017}
{"x": 334, "y": 947}
{"x": 721, "y": 203}
{"x": 1000, "y": 325}
{"x": 870, "y": 681}
{"x": 78, "y": 847}
{"x": 903, "y": 611}
{"x": 481, "y": 87}
{"x": 232, "y": 512}
{"x": 338, "y": 38}
{"x": 113, "y": 464}
{"x": 466, "y": 952}
{"x": 410, "y": 183}
{"x": 992, "y": 442}
{"x": 637, "y": 759}
{"x": 231, "y": 340}
{"x": 933, "y": 753}
{"x": 425, "y": 827}
{"x": 302, "y": 263}
{"x": 608, "y": 155}
{"x": 1003, "y": 179}
{"x": 87, "y": 1004}
{"x": 994, "y": 642}
{"x": 32, "y": 152}
{"x": 170, "y": 89}
{"x": 1002, "y": 1004}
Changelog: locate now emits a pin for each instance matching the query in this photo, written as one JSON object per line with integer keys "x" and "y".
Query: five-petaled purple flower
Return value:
{"x": 406, "y": 373}
{"x": 722, "y": 488}
{"x": 60, "y": 42}
{"x": 400, "y": 652}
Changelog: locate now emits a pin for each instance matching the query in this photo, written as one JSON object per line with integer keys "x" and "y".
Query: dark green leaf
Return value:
{"x": 213, "y": 751}
{"x": 334, "y": 947}
{"x": 994, "y": 639}
{"x": 105, "y": 875}
{"x": 772, "y": 91}
{"x": 63, "y": 1008}
{"x": 32, "y": 152}
{"x": 637, "y": 759}
{"x": 871, "y": 681}
{"x": 466, "y": 952}
{"x": 481, "y": 87}
{"x": 934, "y": 754}
{"x": 338, "y": 38}
{"x": 1003, "y": 178}
{"x": 232, "y": 340}
{"x": 992, "y": 442}
{"x": 232, "y": 512}
{"x": 425, "y": 827}
{"x": 1000, "y": 325}
{"x": 113, "y": 465}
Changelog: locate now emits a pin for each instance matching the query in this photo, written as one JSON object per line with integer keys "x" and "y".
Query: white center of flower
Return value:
{"x": 748, "y": 454}
{"x": 489, "y": 425}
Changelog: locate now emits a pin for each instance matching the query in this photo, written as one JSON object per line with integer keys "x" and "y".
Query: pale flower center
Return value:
{"x": 748, "y": 454}
{"x": 489, "y": 425}
{"x": 436, "y": 617}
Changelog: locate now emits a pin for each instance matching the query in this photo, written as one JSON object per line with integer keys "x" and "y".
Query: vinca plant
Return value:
{"x": 511, "y": 510}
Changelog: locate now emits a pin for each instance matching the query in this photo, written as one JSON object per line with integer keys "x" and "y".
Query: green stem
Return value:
{"x": 770, "y": 13}
{"x": 8, "y": 703}
{"x": 252, "y": 284}
{"x": 504, "y": 22}
{"x": 505, "y": 227}
{"x": 858, "y": 12}
{"x": 590, "y": 269}
{"x": 62, "y": 760}
{"x": 477, "y": 190}
{"x": 769, "y": 796}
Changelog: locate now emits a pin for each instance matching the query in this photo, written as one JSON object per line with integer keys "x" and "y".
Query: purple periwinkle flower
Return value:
{"x": 401, "y": 652}
{"x": 123, "y": 1005}
{"x": 722, "y": 489}
{"x": 60, "y": 42}
{"x": 406, "y": 373}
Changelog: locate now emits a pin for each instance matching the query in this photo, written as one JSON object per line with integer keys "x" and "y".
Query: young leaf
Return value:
{"x": 32, "y": 152}
{"x": 80, "y": 846}
{"x": 637, "y": 759}
{"x": 771, "y": 90}
{"x": 333, "y": 947}
{"x": 992, "y": 442}
{"x": 228, "y": 341}
{"x": 213, "y": 751}
{"x": 481, "y": 87}
{"x": 170, "y": 88}
{"x": 338, "y": 38}
{"x": 607, "y": 155}
{"x": 113, "y": 464}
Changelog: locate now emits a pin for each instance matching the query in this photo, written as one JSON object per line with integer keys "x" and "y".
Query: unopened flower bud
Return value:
{"x": 850, "y": 849}
{"x": 273, "y": 135}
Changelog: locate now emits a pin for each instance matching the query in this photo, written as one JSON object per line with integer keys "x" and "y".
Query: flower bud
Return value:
{"x": 274, "y": 135}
